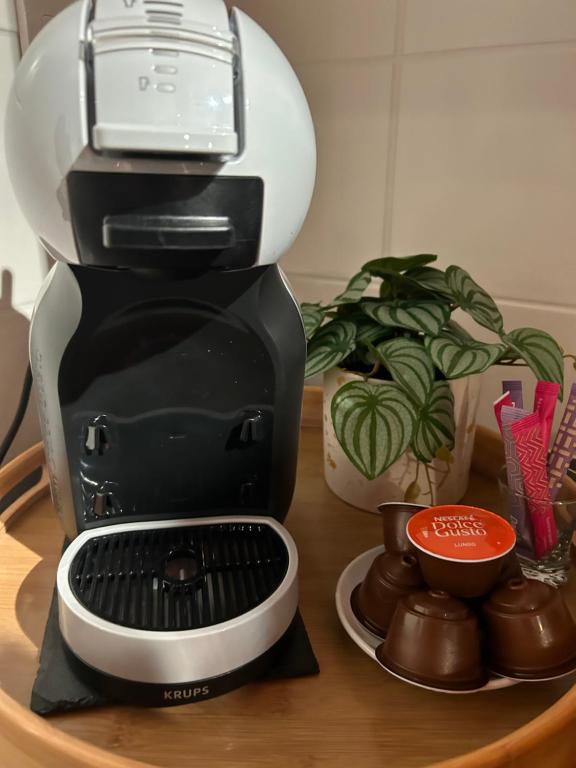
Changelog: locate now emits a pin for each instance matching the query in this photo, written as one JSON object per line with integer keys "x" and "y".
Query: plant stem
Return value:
{"x": 373, "y": 372}
{"x": 446, "y": 475}
{"x": 429, "y": 479}
{"x": 418, "y": 464}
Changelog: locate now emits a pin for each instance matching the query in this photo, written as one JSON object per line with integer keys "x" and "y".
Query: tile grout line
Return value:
{"x": 568, "y": 44}
{"x": 493, "y": 48}
{"x": 390, "y": 179}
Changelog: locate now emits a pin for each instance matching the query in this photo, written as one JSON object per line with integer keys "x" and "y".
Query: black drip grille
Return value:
{"x": 179, "y": 578}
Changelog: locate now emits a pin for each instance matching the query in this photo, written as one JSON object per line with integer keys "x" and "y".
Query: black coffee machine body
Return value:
{"x": 174, "y": 395}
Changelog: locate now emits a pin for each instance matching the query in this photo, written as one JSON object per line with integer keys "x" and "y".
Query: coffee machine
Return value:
{"x": 164, "y": 154}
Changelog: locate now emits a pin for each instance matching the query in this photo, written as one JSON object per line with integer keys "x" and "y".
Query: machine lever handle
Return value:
{"x": 176, "y": 233}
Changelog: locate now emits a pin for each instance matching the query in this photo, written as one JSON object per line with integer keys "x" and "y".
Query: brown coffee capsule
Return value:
{"x": 465, "y": 580}
{"x": 461, "y": 549}
{"x": 390, "y": 577}
{"x": 395, "y": 516}
{"x": 434, "y": 640}
{"x": 530, "y": 632}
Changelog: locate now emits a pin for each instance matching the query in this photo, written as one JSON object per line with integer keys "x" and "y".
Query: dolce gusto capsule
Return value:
{"x": 434, "y": 641}
{"x": 390, "y": 577}
{"x": 461, "y": 549}
{"x": 531, "y": 634}
{"x": 395, "y": 516}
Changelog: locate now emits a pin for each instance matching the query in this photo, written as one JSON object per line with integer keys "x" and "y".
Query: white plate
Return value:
{"x": 351, "y": 576}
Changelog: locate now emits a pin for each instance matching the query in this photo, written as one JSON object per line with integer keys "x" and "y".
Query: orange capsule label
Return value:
{"x": 461, "y": 533}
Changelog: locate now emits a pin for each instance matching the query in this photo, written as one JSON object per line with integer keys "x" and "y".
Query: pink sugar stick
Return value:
{"x": 545, "y": 397}
{"x": 564, "y": 446}
{"x": 503, "y": 400}
{"x": 519, "y": 515}
{"x": 532, "y": 455}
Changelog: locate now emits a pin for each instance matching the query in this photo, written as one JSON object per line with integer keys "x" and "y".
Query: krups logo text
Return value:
{"x": 186, "y": 693}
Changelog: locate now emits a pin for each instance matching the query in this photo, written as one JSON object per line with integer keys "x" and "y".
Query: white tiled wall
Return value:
{"x": 7, "y": 16}
{"x": 22, "y": 265}
{"x": 343, "y": 219}
{"x": 441, "y": 25}
{"x": 321, "y": 30}
{"x": 445, "y": 126}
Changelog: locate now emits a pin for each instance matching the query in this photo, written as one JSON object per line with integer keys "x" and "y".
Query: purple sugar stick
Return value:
{"x": 515, "y": 388}
{"x": 564, "y": 445}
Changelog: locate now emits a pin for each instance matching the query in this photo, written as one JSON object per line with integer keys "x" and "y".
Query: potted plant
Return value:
{"x": 401, "y": 378}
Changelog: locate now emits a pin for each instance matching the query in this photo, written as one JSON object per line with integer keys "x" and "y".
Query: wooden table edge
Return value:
{"x": 34, "y": 737}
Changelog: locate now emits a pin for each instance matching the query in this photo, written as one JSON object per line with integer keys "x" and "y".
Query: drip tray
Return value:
{"x": 175, "y": 602}
{"x": 178, "y": 578}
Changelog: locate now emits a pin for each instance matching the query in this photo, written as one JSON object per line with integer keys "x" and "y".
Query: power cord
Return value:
{"x": 18, "y": 416}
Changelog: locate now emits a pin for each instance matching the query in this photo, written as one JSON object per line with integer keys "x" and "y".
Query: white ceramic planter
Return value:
{"x": 350, "y": 485}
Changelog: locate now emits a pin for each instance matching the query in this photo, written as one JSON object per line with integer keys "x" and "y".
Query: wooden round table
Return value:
{"x": 352, "y": 713}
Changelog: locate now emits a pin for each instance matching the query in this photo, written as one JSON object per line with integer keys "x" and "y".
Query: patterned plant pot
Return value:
{"x": 448, "y": 480}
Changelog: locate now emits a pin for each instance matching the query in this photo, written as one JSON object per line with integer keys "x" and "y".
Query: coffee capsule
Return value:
{"x": 530, "y": 632}
{"x": 434, "y": 641}
{"x": 395, "y": 516}
{"x": 461, "y": 549}
{"x": 390, "y": 577}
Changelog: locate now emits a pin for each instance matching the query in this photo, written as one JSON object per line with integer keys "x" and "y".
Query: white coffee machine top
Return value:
{"x": 138, "y": 86}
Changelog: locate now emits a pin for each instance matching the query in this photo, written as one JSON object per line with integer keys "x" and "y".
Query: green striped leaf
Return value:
{"x": 370, "y": 332}
{"x": 539, "y": 350}
{"x": 453, "y": 330}
{"x": 367, "y": 331}
{"x": 374, "y": 424}
{"x": 511, "y": 355}
{"x": 462, "y": 358}
{"x": 431, "y": 278}
{"x": 355, "y": 289}
{"x": 409, "y": 366}
{"x": 435, "y": 423}
{"x": 474, "y": 300}
{"x": 426, "y": 317}
{"x": 389, "y": 264}
{"x": 403, "y": 287}
{"x": 330, "y": 346}
{"x": 312, "y": 317}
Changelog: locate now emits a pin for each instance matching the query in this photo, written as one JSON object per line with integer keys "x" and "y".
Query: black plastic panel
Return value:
{"x": 97, "y": 200}
{"x": 181, "y": 396}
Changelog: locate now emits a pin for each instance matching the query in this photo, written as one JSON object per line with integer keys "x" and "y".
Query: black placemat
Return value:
{"x": 58, "y": 688}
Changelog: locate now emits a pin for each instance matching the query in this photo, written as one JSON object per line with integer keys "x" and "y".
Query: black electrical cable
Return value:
{"x": 18, "y": 416}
